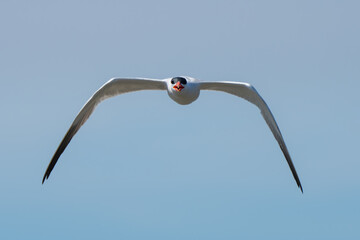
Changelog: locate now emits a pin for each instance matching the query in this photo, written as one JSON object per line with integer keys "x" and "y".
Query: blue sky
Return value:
{"x": 144, "y": 167}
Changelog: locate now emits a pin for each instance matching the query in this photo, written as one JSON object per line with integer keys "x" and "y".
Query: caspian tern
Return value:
{"x": 183, "y": 90}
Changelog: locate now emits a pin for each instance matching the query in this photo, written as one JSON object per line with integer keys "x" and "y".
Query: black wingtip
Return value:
{"x": 46, "y": 176}
{"x": 68, "y": 136}
{"x": 301, "y": 189}
{"x": 43, "y": 179}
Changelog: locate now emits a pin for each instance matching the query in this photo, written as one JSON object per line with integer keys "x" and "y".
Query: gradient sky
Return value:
{"x": 144, "y": 167}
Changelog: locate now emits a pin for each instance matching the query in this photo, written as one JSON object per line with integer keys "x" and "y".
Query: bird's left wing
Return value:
{"x": 249, "y": 93}
{"x": 112, "y": 88}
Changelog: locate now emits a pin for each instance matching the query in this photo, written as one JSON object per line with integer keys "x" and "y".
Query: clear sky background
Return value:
{"x": 144, "y": 167}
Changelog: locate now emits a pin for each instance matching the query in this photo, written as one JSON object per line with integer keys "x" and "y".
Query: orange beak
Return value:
{"x": 178, "y": 87}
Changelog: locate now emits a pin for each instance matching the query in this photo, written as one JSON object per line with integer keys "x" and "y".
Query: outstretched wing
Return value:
{"x": 249, "y": 93}
{"x": 112, "y": 88}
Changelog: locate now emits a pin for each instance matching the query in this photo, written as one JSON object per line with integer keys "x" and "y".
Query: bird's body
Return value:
{"x": 183, "y": 90}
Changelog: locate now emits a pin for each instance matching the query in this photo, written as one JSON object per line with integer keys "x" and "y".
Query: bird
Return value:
{"x": 183, "y": 90}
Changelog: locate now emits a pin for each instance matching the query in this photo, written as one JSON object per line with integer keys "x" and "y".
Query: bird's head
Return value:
{"x": 178, "y": 83}
{"x": 183, "y": 90}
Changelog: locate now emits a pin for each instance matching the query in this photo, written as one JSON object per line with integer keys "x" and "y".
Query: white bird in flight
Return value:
{"x": 183, "y": 90}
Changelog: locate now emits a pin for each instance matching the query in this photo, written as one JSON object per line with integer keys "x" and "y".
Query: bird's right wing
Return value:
{"x": 112, "y": 88}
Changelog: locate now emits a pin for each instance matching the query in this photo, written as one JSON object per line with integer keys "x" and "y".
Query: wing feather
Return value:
{"x": 112, "y": 88}
{"x": 249, "y": 93}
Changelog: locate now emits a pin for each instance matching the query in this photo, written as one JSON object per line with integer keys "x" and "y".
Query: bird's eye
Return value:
{"x": 183, "y": 81}
{"x": 172, "y": 81}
